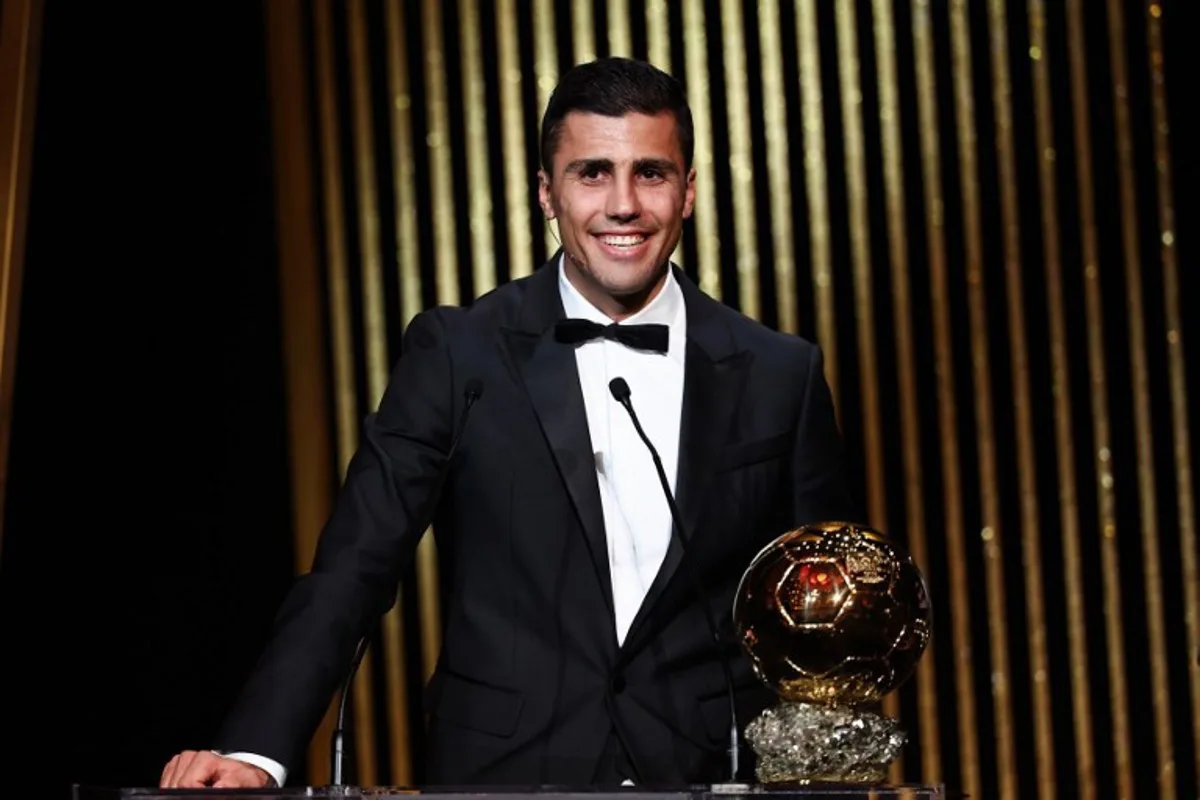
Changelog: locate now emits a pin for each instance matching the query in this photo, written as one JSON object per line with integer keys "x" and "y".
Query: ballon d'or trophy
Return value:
{"x": 833, "y": 617}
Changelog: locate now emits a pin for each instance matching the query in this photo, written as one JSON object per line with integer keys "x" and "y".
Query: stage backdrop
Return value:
{"x": 968, "y": 205}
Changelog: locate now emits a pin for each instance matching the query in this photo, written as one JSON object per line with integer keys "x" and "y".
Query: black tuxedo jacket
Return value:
{"x": 531, "y": 681}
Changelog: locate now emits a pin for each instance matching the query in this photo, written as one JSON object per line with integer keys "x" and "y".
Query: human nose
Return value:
{"x": 623, "y": 203}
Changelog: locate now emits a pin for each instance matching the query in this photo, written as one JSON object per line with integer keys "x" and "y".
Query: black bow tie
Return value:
{"x": 641, "y": 337}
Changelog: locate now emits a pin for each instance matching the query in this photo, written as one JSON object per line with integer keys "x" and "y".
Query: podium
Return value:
{"x": 715, "y": 792}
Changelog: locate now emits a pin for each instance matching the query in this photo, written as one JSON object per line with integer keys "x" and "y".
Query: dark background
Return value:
{"x": 147, "y": 535}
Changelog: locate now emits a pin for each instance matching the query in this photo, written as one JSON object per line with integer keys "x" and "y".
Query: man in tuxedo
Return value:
{"x": 576, "y": 650}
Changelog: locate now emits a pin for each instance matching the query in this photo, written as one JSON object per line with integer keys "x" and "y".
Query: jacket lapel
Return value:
{"x": 551, "y": 378}
{"x": 714, "y": 379}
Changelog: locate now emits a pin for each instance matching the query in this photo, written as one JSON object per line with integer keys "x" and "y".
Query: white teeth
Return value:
{"x": 623, "y": 241}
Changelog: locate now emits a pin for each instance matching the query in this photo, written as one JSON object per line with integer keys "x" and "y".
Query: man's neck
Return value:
{"x": 617, "y": 308}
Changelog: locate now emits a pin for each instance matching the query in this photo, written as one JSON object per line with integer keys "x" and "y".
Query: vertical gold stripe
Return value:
{"x": 512, "y": 127}
{"x": 816, "y": 185}
{"x": 396, "y": 698}
{"x": 910, "y": 432}
{"x": 944, "y": 371}
{"x": 583, "y": 31}
{"x": 708, "y": 243}
{"x": 1148, "y": 507}
{"x": 658, "y": 34}
{"x": 545, "y": 67}
{"x": 343, "y": 348}
{"x": 407, "y": 256}
{"x": 778, "y": 170}
{"x": 860, "y": 253}
{"x": 741, "y": 161}
{"x": 620, "y": 36}
{"x": 479, "y": 188}
{"x": 371, "y": 265}
{"x": 20, "y": 48}
{"x": 860, "y": 258}
{"x": 301, "y": 295}
{"x": 437, "y": 142}
{"x": 1109, "y": 556}
{"x": 991, "y": 532}
{"x": 404, "y": 155}
{"x": 300, "y": 281}
{"x": 1175, "y": 366}
{"x": 374, "y": 334}
{"x": 1068, "y": 501}
{"x": 1035, "y": 612}
{"x": 545, "y": 56}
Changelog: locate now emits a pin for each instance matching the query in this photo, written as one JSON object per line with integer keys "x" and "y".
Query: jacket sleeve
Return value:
{"x": 364, "y": 548}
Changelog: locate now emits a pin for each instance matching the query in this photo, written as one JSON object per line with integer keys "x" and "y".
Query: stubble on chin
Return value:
{"x": 632, "y": 298}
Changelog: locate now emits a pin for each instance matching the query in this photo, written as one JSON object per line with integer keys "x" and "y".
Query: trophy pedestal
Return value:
{"x": 807, "y": 743}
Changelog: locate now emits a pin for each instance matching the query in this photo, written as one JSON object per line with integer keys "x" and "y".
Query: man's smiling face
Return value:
{"x": 620, "y": 190}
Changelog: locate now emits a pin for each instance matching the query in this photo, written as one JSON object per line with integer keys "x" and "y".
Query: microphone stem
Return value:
{"x": 338, "y": 751}
{"x": 698, "y": 585}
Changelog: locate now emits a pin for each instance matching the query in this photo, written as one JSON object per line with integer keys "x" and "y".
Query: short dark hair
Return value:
{"x": 614, "y": 87}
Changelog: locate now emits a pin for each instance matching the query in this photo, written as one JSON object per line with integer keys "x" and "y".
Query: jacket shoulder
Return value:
{"x": 497, "y": 307}
{"x": 763, "y": 340}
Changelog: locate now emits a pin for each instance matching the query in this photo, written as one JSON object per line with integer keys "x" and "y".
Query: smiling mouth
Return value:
{"x": 629, "y": 240}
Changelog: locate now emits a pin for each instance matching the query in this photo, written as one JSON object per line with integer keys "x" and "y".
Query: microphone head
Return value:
{"x": 474, "y": 389}
{"x": 620, "y": 389}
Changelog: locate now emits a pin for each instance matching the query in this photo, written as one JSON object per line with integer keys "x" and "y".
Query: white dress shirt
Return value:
{"x": 269, "y": 765}
{"x": 637, "y": 519}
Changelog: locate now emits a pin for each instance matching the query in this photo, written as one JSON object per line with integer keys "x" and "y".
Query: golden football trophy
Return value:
{"x": 833, "y": 617}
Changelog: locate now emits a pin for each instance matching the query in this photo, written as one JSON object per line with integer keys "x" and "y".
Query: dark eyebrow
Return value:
{"x": 584, "y": 165}
{"x": 589, "y": 165}
{"x": 663, "y": 165}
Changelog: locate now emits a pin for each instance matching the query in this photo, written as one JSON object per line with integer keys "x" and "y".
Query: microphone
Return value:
{"x": 471, "y": 393}
{"x": 621, "y": 393}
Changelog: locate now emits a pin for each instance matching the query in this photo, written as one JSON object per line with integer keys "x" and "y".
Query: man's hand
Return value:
{"x": 194, "y": 769}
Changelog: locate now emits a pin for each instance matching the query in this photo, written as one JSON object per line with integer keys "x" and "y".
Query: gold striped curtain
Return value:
{"x": 968, "y": 205}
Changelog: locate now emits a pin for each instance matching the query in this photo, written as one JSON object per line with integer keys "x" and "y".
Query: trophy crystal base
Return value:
{"x": 802, "y": 743}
